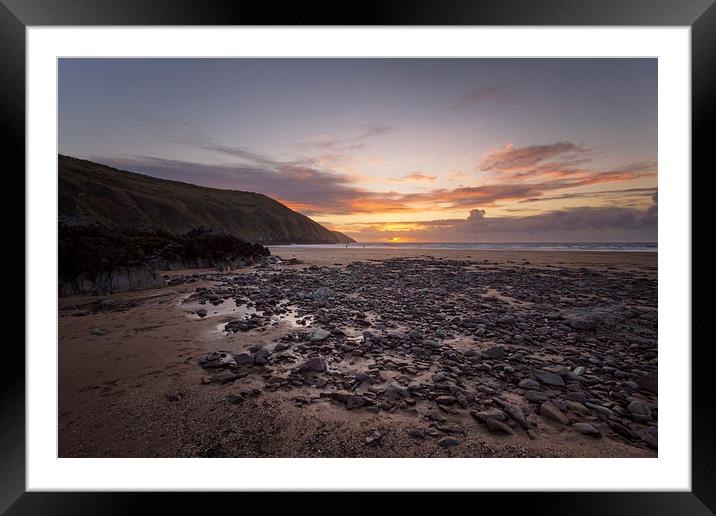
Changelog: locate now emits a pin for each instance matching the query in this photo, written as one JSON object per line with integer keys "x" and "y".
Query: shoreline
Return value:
{"x": 341, "y": 255}
{"x": 617, "y": 247}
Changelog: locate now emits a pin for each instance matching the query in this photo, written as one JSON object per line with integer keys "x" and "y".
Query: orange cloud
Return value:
{"x": 411, "y": 178}
{"x": 510, "y": 158}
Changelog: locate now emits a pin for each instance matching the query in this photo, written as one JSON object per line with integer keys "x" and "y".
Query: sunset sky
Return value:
{"x": 450, "y": 150}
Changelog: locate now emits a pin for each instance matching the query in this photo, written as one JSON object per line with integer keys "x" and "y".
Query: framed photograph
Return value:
{"x": 417, "y": 248}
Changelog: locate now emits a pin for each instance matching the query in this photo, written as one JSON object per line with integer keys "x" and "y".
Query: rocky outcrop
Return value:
{"x": 117, "y": 280}
{"x": 96, "y": 260}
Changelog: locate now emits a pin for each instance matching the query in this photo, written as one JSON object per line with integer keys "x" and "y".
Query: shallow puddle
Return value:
{"x": 226, "y": 307}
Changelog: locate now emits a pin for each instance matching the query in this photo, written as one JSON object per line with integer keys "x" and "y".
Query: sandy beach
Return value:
{"x": 369, "y": 353}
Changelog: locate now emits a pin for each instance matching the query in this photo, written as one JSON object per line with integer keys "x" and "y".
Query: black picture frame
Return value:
{"x": 700, "y": 15}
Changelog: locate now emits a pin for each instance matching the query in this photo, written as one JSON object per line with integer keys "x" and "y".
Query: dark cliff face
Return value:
{"x": 90, "y": 193}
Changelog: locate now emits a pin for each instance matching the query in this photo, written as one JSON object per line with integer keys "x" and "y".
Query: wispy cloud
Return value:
{"x": 499, "y": 94}
{"x": 514, "y": 159}
{"x": 324, "y": 142}
{"x": 416, "y": 177}
{"x": 620, "y": 194}
{"x": 568, "y": 162}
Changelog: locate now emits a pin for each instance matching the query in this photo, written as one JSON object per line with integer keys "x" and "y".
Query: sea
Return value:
{"x": 516, "y": 246}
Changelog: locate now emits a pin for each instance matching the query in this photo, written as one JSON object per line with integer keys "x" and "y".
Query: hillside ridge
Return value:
{"x": 94, "y": 194}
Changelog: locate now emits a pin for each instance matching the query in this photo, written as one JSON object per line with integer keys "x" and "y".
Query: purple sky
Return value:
{"x": 389, "y": 149}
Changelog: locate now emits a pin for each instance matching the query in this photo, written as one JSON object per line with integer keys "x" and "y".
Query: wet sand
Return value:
{"x": 130, "y": 383}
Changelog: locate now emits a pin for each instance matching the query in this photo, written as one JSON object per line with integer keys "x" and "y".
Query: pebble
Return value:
{"x": 536, "y": 396}
{"x": 640, "y": 411}
{"x": 549, "y": 378}
{"x": 374, "y": 437}
{"x": 448, "y": 441}
{"x": 320, "y": 335}
{"x": 498, "y": 427}
{"x": 530, "y": 384}
{"x": 494, "y": 353}
{"x": 549, "y": 410}
{"x": 484, "y": 415}
{"x": 586, "y": 429}
{"x": 599, "y": 408}
{"x": 316, "y": 364}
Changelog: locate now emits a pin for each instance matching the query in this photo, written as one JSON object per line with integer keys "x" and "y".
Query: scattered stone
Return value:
{"x": 353, "y": 402}
{"x": 640, "y": 411}
{"x": 622, "y": 430}
{"x": 452, "y": 429}
{"x": 243, "y": 359}
{"x": 416, "y": 433}
{"x": 586, "y": 429}
{"x": 448, "y": 441}
{"x": 215, "y": 359}
{"x": 494, "y": 353}
{"x": 415, "y": 335}
{"x": 445, "y": 400}
{"x": 374, "y": 437}
{"x": 518, "y": 415}
{"x": 575, "y": 406}
{"x": 549, "y": 410}
{"x": 536, "y": 396}
{"x": 316, "y": 364}
{"x": 432, "y": 432}
{"x": 395, "y": 390}
{"x": 549, "y": 378}
{"x": 261, "y": 357}
{"x": 490, "y": 414}
{"x": 604, "y": 411}
{"x": 530, "y": 384}
{"x": 320, "y": 335}
{"x": 363, "y": 377}
{"x": 498, "y": 427}
{"x": 439, "y": 377}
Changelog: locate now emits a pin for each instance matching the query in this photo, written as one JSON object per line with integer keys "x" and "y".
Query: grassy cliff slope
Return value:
{"x": 94, "y": 194}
